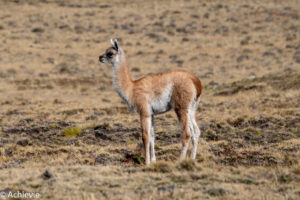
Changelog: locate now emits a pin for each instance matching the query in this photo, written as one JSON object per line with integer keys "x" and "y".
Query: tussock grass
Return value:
{"x": 179, "y": 179}
{"x": 161, "y": 166}
{"x": 285, "y": 178}
{"x": 104, "y": 125}
{"x": 52, "y": 125}
{"x": 216, "y": 192}
{"x": 296, "y": 170}
{"x": 72, "y": 132}
{"x": 187, "y": 164}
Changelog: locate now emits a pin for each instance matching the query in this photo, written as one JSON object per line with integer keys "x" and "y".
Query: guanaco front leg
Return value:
{"x": 146, "y": 130}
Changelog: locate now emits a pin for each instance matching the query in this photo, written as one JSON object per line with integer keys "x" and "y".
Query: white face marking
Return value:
{"x": 163, "y": 103}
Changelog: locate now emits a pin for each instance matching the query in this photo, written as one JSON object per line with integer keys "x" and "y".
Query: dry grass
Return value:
{"x": 52, "y": 86}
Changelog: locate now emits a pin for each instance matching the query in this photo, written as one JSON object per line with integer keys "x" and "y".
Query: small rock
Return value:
{"x": 79, "y": 29}
{"x": 166, "y": 189}
{"x": 159, "y": 38}
{"x": 47, "y": 175}
{"x": 185, "y": 39}
{"x": 267, "y": 53}
{"x": 242, "y": 58}
{"x": 102, "y": 135}
{"x": 37, "y": 30}
{"x": 288, "y": 69}
{"x": 216, "y": 192}
{"x": 8, "y": 152}
{"x": 213, "y": 83}
{"x": 23, "y": 142}
{"x": 296, "y": 57}
{"x": 245, "y": 41}
{"x": 252, "y": 77}
{"x": 43, "y": 75}
{"x": 102, "y": 159}
{"x": 269, "y": 19}
{"x": 206, "y": 15}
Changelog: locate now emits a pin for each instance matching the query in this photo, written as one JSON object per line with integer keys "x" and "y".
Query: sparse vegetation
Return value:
{"x": 216, "y": 192}
{"x": 180, "y": 179}
{"x": 102, "y": 126}
{"x": 72, "y": 132}
{"x": 66, "y": 134}
{"x": 187, "y": 164}
{"x": 163, "y": 167}
{"x": 285, "y": 178}
{"x": 52, "y": 126}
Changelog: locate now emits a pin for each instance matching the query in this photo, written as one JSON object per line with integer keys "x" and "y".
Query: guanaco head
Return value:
{"x": 112, "y": 55}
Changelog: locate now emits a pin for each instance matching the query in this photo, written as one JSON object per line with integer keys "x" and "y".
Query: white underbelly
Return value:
{"x": 162, "y": 103}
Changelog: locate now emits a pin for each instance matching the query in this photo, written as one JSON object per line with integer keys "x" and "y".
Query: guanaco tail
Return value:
{"x": 155, "y": 94}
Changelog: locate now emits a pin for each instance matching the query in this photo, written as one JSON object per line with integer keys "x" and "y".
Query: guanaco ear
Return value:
{"x": 115, "y": 44}
{"x": 112, "y": 43}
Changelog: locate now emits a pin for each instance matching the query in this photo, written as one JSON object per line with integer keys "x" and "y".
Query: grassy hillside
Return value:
{"x": 66, "y": 134}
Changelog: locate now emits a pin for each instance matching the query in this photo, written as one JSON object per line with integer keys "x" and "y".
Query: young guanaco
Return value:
{"x": 155, "y": 94}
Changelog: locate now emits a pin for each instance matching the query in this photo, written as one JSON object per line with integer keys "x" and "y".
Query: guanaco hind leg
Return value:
{"x": 152, "y": 141}
{"x": 195, "y": 137}
{"x": 186, "y": 133}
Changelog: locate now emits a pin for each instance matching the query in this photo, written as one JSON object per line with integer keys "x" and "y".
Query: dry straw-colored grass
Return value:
{"x": 51, "y": 85}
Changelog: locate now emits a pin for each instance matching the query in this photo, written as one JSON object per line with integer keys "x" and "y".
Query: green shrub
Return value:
{"x": 72, "y": 132}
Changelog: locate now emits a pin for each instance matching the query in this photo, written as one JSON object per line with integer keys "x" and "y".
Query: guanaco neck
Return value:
{"x": 122, "y": 80}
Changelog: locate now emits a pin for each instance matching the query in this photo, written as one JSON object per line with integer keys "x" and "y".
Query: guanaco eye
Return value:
{"x": 109, "y": 54}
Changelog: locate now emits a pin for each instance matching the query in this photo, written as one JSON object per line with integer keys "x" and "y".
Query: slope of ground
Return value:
{"x": 65, "y": 133}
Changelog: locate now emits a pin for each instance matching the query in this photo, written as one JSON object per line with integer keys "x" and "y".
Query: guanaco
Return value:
{"x": 156, "y": 94}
